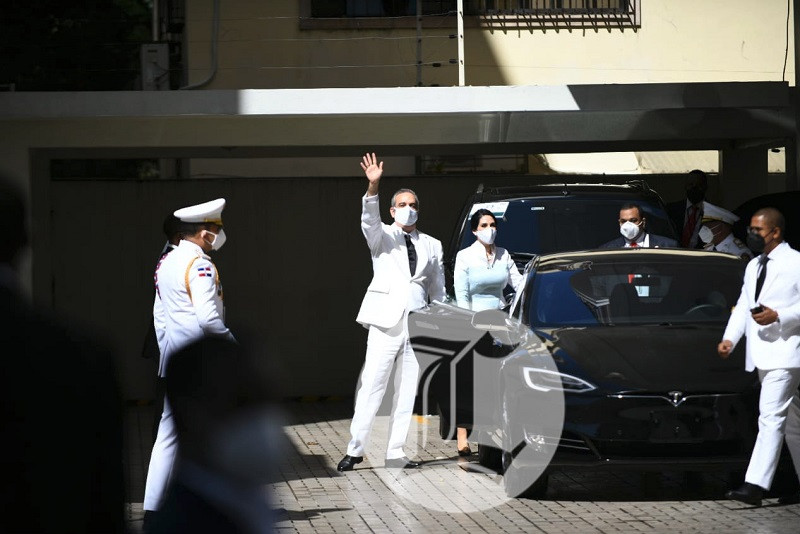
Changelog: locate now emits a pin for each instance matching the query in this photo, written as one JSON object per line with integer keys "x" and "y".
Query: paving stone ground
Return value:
{"x": 447, "y": 496}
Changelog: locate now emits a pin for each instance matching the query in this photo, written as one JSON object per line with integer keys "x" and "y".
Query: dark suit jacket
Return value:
{"x": 61, "y": 425}
{"x": 655, "y": 241}
{"x": 677, "y": 213}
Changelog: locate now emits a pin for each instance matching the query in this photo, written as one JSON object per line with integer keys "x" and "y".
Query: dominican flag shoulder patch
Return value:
{"x": 204, "y": 271}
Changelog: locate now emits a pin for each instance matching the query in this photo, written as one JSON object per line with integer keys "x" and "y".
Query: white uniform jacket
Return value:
{"x": 188, "y": 303}
{"x": 393, "y": 290}
{"x": 731, "y": 245}
{"x": 775, "y": 346}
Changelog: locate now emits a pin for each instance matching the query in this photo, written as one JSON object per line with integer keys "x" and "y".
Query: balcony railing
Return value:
{"x": 492, "y": 14}
{"x": 556, "y": 14}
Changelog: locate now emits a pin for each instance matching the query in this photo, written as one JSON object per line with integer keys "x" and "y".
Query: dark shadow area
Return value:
{"x": 282, "y": 514}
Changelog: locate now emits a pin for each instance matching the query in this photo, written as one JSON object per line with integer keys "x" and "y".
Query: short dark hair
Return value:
{"x": 187, "y": 229}
{"x": 774, "y": 217}
{"x": 171, "y": 227}
{"x": 631, "y": 206}
{"x": 477, "y": 216}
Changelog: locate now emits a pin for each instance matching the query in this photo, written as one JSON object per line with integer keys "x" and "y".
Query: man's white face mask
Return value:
{"x": 705, "y": 234}
{"x": 405, "y": 216}
{"x": 629, "y": 230}
{"x": 218, "y": 240}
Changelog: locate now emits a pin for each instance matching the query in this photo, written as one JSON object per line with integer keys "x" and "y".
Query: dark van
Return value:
{"x": 541, "y": 219}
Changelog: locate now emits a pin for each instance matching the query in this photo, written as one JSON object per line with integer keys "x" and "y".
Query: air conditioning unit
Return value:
{"x": 154, "y": 66}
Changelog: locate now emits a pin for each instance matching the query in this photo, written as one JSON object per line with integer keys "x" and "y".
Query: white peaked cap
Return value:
{"x": 715, "y": 213}
{"x": 207, "y": 212}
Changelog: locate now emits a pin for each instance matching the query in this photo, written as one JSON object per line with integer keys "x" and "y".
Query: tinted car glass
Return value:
{"x": 546, "y": 225}
{"x": 635, "y": 291}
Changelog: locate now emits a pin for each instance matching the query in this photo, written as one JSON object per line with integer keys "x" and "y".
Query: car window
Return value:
{"x": 633, "y": 292}
{"x": 542, "y": 226}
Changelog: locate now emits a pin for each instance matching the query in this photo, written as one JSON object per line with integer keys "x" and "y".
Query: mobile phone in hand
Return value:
{"x": 757, "y": 309}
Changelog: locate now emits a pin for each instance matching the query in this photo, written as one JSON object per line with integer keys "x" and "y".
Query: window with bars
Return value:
{"x": 543, "y": 14}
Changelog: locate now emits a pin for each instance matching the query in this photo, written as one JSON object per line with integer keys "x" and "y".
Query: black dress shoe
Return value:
{"x": 748, "y": 494}
{"x": 401, "y": 463}
{"x": 348, "y": 462}
{"x": 466, "y": 451}
{"x": 789, "y": 498}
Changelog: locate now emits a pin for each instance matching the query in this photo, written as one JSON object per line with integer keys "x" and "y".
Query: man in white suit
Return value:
{"x": 768, "y": 314}
{"x": 407, "y": 272}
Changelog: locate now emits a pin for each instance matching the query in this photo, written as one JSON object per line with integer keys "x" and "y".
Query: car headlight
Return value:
{"x": 546, "y": 380}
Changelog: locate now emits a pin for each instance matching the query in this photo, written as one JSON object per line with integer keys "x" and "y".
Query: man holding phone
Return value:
{"x": 768, "y": 314}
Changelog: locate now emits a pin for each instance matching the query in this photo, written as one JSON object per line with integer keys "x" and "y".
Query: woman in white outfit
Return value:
{"x": 482, "y": 272}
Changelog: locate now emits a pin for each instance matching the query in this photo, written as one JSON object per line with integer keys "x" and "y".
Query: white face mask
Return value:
{"x": 486, "y": 235}
{"x": 705, "y": 234}
{"x": 218, "y": 241}
{"x": 629, "y": 230}
{"x": 405, "y": 216}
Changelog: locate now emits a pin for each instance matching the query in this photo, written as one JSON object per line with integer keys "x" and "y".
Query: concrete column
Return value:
{"x": 743, "y": 174}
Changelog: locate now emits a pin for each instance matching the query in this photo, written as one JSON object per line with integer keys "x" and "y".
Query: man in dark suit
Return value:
{"x": 632, "y": 227}
{"x": 60, "y": 411}
{"x": 687, "y": 214}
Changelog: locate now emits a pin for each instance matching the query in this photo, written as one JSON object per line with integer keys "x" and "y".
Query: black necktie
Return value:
{"x": 761, "y": 275}
{"x": 412, "y": 254}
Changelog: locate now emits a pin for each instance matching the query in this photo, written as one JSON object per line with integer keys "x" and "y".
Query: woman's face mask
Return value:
{"x": 486, "y": 235}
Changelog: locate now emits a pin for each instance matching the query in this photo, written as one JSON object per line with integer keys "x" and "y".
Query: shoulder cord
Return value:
{"x": 188, "y": 270}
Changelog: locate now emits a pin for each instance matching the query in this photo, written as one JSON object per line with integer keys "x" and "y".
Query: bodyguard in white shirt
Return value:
{"x": 407, "y": 272}
{"x": 187, "y": 307}
{"x": 768, "y": 314}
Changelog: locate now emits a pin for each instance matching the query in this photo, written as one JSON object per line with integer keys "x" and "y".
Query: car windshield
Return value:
{"x": 546, "y": 225}
{"x": 633, "y": 291}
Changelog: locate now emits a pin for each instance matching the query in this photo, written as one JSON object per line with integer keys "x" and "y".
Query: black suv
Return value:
{"x": 541, "y": 219}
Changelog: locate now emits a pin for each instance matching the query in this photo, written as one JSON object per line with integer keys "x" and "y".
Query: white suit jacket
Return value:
{"x": 775, "y": 346}
{"x": 393, "y": 290}
{"x": 188, "y": 303}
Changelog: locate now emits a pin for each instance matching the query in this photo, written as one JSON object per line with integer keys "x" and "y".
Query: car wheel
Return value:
{"x": 537, "y": 490}
{"x": 490, "y": 457}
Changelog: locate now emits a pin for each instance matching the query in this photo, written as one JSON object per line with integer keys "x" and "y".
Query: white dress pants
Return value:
{"x": 162, "y": 461}
{"x": 383, "y": 348}
{"x": 778, "y": 419}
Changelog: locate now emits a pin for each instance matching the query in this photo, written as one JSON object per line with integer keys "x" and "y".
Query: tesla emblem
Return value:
{"x": 675, "y": 397}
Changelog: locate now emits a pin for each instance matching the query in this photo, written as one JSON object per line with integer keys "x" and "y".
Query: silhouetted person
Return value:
{"x": 228, "y": 440}
{"x": 687, "y": 214}
{"x": 61, "y": 467}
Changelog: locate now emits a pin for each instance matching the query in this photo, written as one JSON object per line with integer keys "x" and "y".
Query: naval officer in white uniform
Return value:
{"x": 717, "y": 232}
{"x": 187, "y": 307}
{"x": 407, "y": 271}
{"x": 768, "y": 313}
